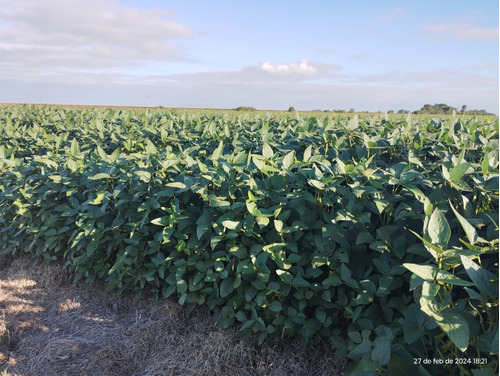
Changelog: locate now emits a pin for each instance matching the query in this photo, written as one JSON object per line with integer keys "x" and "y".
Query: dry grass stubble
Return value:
{"x": 51, "y": 326}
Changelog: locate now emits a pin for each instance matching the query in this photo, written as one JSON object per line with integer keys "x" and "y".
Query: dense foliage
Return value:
{"x": 444, "y": 109}
{"x": 378, "y": 235}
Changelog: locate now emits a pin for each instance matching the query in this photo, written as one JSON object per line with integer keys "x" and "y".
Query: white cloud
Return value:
{"x": 50, "y": 35}
{"x": 464, "y": 31}
{"x": 87, "y": 52}
{"x": 302, "y": 68}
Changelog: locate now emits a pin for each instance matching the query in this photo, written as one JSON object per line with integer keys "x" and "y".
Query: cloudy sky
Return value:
{"x": 269, "y": 54}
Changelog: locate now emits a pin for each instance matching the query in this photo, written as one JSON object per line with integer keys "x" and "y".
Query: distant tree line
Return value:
{"x": 436, "y": 109}
{"x": 427, "y": 109}
{"x": 444, "y": 109}
{"x": 245, "y": 108}
{"x": 480, "y": 112}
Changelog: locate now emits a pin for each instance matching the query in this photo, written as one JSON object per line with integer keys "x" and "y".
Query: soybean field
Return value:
{"x": 375, "y": 234}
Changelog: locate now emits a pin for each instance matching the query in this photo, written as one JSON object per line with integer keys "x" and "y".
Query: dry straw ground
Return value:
{"x": 51, "y": 326}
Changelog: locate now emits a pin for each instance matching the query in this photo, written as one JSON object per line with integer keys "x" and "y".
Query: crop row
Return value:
{"x": 379, "y": 236}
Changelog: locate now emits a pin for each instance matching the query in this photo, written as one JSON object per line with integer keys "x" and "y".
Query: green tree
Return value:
{"x": 436, "y": 109}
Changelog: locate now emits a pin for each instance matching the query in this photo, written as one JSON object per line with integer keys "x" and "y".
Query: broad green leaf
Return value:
{"x": 276, "y": 306}
{"x": 98, "y": 199}
{"x": 74, "y": 148}
{"x": 150, "y": 147}
{"x": 341, "y": 255}
{"x": 214, "y": 240}
{"x": 353, "y": 123}
{"x": 355, "y": 336}
{"x": 278, "y": 225}
{"x": 485, "y": 281}
{"x": 428, "y": 207}
{"x": 204, "y": 224}
{"x": 349, "y": 167}
{"x": 239, "y": 251}
{"x": 413, "y": 158}
{"x": 382, "y": 266}
{"x": 457, "y": 172}
{"x": 218, "y": 152}
{"x": 260, "y": 164}
{"x": 416, "y": 191}
{"x": 240, "y": 158}
{"x": 262, "y": 221}
{"x": 381, "y": 352}
{"x": 470, "y": 231}
{"x": 460, "y": 158}
{"x": 176, "y": 184}
{"x": 461, "y": 185}
{"x": 492, "y": 184}
{"x": 102, "y": 153}
{"x": 345, "y": 273}
{"x": 307, "y": 153}
{"x": 438, "y": 229}
{"x": 293, "y": 258}
{"x": 456, "y": 327}
{"x": 485, "y": 169}
{"x": 446, "y": 277}
{"x": 259, "y": 284}
{"x": 361, "y": 349}
{"x": 341, "y": 165}
{"x": 427, "y": 303}
{"x": 473, "y": 294}
{"x": 230, "y": 224}
{"x": 364, "y": 237}
{"x": 99, "y": 176}
{"x": 446, "y": 172}
{"x": 320, "y": 314}
{"x": 429, "y": 290}
{"x": 182, "y": 286}
{"x": 251, "y": 197}
{"x": 51, "y": 232}
{"x": 468, "y": 210}
{"x": 182, "y": 299}
{"x": 226, "y": 287}
{"x": 433, "y": 249}
{"x": 300, "y": 282}
{"x": 144, "y": 175}
{"x": 288, "y": 160}
{"x": 413, "y": 324}
{"x": 379, "y": 204}
{"x": 426, "y": 272}
{"x": 252, "y": 208}
{"x": 367, "y": 142}
{"x": 285, "y": 276}
{"x": 274, "y": 247}
{"x": 161, "y": 221}
{"x": 267, "y": 151}
{"x": 316, "y": 184}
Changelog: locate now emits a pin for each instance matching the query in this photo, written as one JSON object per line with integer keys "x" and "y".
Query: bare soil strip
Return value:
{"x": 51, "y": 326}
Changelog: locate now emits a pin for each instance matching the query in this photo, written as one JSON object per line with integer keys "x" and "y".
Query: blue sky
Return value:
{"x": 366, "y": 55}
